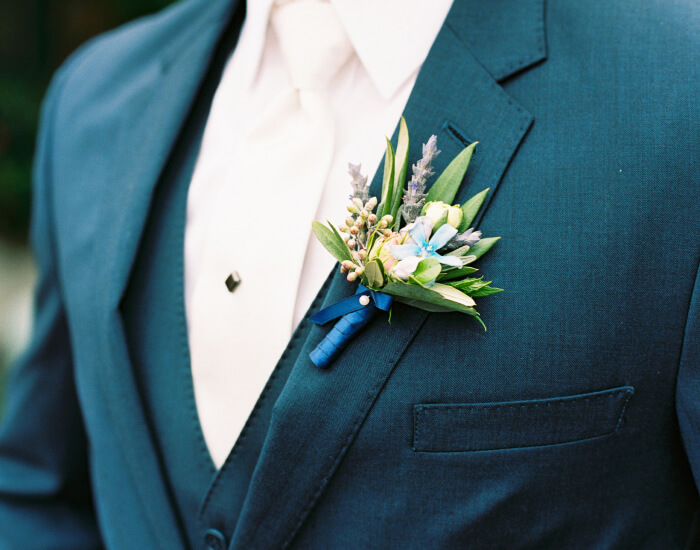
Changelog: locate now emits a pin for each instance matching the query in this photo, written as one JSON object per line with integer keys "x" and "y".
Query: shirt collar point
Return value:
{"x": 389, "y": 82}
{"x": 387, "y": 88}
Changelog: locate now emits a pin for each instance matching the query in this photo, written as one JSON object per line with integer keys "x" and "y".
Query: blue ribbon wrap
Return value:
{"x": 353, "y": 318}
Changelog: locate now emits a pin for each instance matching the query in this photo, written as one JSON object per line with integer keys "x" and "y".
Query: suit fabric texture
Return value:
{"x": 573, "y": 422}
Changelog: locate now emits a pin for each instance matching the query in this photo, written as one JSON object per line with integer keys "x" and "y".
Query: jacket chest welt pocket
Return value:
{"x": 517, "y": 424}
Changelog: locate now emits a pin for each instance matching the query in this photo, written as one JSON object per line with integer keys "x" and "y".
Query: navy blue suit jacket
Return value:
{"x": 574, "y": 422}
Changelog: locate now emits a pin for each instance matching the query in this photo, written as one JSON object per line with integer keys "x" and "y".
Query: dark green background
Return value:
{"x": 35, "y": 37}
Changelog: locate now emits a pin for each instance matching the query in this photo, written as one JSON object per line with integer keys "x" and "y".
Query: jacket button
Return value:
{"x": 214, "y": 540}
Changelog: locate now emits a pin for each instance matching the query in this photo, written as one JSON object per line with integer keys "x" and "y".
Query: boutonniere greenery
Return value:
{"x": 412, "y": 245}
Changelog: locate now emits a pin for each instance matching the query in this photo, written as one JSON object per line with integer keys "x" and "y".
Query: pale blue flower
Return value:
{"x": 424, "y": 246}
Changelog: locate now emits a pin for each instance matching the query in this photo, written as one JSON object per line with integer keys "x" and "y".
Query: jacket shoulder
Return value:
{"x": 113, "y": 61}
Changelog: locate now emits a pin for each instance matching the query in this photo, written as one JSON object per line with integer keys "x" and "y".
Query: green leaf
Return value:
{"x": 453, "y": 295}
{"x": 485, "y": 291}
{"x": 427, "y": 271}
{"x": 332, "y": 241}
{"x": 461, "y": 251}
{"x": 339, "y": 237}
{"x": 470, "y": 209}
{"x": 483, "y": 246}
{"x": 388, "y": 181}
{"x": 397, "y": 219}
{"x": 374, "y": 274}
{"x": 430, "y": 299}
{"x": 453, "y": 274}
{"x": 400, "y": 168}
{"x": 446, "y": 187}
{"x": 466, "y": 284}
{"x": 475, "y": 287}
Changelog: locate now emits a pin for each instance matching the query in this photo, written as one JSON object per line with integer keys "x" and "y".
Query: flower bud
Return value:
{"x": 362, "y": 254}
{"x": 359, "y": 271}
{"x": 382, "y": 249}
{"x": 352, "y": 208}
{"x": 354, "y": 230}
{"x": 352, "y": 243}
{"x": 352, "y": 276}
{"x": 342, "y": 228}
{"x": 364, "y": 214}
{"x": 359, "y": 223}
{"x": 348, "y": 265}
{"x": 345, "y": 237}
{"x": 454, "y": 216}
{"x": 372, "y": 218}
{"x": 343, "y": 270}
{"x": 349, "y": 221}
{"x": 371, "y": 203}
{"x": 358, "y": 204}
{"x": 435, "y": 210}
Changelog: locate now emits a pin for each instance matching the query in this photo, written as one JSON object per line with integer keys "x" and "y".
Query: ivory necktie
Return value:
{"x": 280, "y": 171}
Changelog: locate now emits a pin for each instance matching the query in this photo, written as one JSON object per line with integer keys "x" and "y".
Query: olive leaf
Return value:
{"x": 374, "y": 274}
{"x": 332, "y": 241}
{"x": 470, "y": 209}
{"x": 446, "y": 187}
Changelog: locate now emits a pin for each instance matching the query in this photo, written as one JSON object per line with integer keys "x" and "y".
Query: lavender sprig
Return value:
{"x": 422, "y": 170}
{"x": 360, "y": 187}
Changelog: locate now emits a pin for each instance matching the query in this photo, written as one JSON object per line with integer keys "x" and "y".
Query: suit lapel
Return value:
{"x": 151, "y": 134}
{"x": 319, "y": 412}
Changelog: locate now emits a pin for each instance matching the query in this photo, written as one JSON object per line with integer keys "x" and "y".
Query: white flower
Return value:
{"x": 405, "y": 268}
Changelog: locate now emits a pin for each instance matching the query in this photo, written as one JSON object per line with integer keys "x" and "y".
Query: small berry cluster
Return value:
{"x": 357, "y": 230}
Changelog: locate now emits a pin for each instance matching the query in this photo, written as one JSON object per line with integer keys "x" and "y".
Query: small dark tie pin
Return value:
{"x": 232, "y": 281}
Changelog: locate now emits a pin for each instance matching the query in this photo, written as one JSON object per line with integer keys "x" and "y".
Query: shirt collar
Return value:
{"x": 391, "y": 38}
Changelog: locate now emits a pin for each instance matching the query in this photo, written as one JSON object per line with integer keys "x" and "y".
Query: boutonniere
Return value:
{"x": 412, "y": 246}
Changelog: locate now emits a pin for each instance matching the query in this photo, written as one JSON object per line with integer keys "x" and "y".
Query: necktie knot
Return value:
{"x": 313, "y": 42}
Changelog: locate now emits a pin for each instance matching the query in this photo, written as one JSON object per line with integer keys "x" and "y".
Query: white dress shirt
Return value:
{"x": 391, "y": 39}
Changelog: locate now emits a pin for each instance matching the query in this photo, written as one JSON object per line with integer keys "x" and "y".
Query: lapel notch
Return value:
{"x": 506, "y": 36}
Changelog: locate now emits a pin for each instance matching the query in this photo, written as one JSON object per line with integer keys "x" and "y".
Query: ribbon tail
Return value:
{"x": 340, "y": 335}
